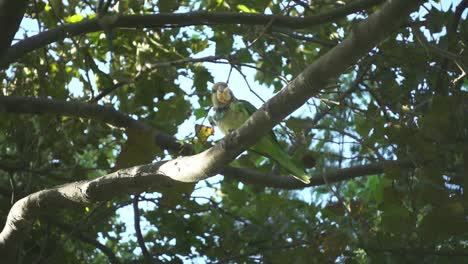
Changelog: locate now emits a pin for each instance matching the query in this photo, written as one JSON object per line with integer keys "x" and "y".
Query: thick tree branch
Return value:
{"x": 364, "y": 37}
{"x": 11, "y": 14}
{"x": 176, "y": 20}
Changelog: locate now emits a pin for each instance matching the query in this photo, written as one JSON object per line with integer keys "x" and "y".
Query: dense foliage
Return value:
{"x": 406, "y": 101}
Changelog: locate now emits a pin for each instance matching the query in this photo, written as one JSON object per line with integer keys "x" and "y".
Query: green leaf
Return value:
{"x": 377, "y": 186}
{"x": 140, "y": 148}
{"x": 436, "y": 20}
{"x": 201, "y": 79}
{"x": 397, "y": 220}
{"x": 200, "y": 113}
{"x": 74, "y": 18}
{"x": 223, "y": 42}
{"x": 168, "y": 5}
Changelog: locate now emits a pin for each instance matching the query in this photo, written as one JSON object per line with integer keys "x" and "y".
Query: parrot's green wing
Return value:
{"x": 250, "y": 109}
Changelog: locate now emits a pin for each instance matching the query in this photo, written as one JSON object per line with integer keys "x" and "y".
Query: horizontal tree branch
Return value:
{"x": 38, "y": 106}
{"x": 359, "y": 42}
{"x": 186, "y": 60}
{"x": 456, "y": 253}
{"x": 175, "y": 20}
{"x": 255, "y": 177}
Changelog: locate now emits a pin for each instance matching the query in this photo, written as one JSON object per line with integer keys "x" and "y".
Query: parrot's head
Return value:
{"x": 222, "y": 96}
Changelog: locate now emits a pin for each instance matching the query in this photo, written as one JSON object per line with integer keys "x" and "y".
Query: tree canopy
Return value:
{"x": 107, "y": 154}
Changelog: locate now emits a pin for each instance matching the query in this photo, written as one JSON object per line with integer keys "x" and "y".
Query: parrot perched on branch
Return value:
{"x": 231, "y": 113}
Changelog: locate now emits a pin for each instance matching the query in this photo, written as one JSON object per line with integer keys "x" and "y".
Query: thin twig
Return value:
{"x": 136, "y": 222}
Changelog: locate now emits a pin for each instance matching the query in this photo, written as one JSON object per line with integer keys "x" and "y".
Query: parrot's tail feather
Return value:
{"x": 303, "y": 178}
{"x": 295, "y": 170}
{"x": 285, "y": 161}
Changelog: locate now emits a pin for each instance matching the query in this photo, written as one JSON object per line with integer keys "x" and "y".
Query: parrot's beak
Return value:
{"x": 224, "y": 96}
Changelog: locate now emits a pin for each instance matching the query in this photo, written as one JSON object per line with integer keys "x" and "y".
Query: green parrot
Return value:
{"x": 231, "y": 113}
